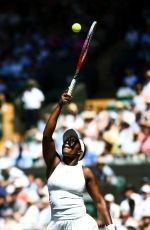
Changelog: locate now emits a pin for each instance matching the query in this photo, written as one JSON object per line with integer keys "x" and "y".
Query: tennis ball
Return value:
{"x": 76, "y": 27}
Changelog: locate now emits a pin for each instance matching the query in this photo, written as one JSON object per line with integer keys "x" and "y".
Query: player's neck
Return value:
{"x": 71, "y": 162}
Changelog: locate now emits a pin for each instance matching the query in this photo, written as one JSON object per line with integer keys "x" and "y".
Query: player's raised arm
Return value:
{"x": 49, "y": 150}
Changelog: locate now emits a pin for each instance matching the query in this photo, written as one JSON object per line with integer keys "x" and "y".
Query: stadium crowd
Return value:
{"x": 121, "y": 128}
{"x": 116, "y": 133}
{"x": 24, "y": 203}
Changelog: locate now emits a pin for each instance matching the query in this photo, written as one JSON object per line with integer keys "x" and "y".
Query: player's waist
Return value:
{"x": 68, "y": 213}
{"x": 67, "y": 203}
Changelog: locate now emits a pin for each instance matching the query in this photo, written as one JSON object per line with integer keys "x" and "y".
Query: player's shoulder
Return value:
{"x": 88, "y": 173}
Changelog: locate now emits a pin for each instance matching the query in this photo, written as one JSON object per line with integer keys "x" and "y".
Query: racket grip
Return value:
{"x": 71, "y": 87}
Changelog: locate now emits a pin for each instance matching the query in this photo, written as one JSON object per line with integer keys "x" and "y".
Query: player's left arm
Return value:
{"x": 93, "y": 188}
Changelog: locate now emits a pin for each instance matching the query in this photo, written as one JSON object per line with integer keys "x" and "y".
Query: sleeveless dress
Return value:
{"x": 68, "y": 212}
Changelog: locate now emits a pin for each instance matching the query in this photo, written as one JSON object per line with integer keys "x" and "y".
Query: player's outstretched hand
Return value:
{"x": 65, "y": 98}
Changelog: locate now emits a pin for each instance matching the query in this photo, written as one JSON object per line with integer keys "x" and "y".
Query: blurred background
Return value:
{"x": 110, "y": 106}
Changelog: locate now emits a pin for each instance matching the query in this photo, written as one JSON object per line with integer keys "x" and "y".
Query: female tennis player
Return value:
{"x": 67, "y": 179}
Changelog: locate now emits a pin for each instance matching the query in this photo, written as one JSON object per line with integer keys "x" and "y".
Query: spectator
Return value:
{"x": 3, "y": 205}
{"x": 114, "y": 208}
{"x": 131, "y": 201}
{"x": 31, "y": 211}
{"x": 132, "y": 147}
{"x": 125, "y": 135}
{"x": 145, "y": 222}
{"x": 145, "y": 181}
{"x": 10, "y": 172}
{"x": 124, "y": 219}
{"x": 35, "y": 150}
{"x": 2, "y": 110}
{"x": 146, "y": 112}
{"x": 102, "y": 119}
{"x": 104, "y": 172}
{"x": 42, "y": 122}
{"x": 32, "y": 185}
{"x": 146, "y": 88}
{"x": 138, "y": 99}
{"x": 45, "y": 212}
{"x": 9, "y": 221}
{"x": 125, "y": 92}
{"x": 90, "y": 158}
{"x": 144, "y": 136}
{"x": 90, "y": 124}
{"x": 130, "y": 78}
{"x": 18, "y": 206}
{"x": 8, "y": 153}
{"x": 132, "y": 36}
{"x": 41, "y": 187}
{"x": 3, "y": 87}
{"x": 23, "y": 158}
{"x": 132, "y": 225}
{"x": 73, "y": 118}
{"x": 145, "y": 202}
{"x": 32, "y": 99}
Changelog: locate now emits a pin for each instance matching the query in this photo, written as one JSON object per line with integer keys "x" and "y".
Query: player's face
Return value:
{"x": 71, "y": 147}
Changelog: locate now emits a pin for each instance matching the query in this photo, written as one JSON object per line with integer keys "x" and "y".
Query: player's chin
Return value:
{"x": 66, "y": 151}
{"x": 68, "y": 156}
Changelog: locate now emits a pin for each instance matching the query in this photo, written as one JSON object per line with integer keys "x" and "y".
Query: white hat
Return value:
{"x": 45, "y": 199}
{"x": 33, "y": 197}
{"x": 8, "y": 144}
{"x": 6, "y": 163}
{"x": 88, "y": 114}
{"x": 38, "y": 137}
{"x": 147, "y": 100}
{"x": 10, "y": 189}
{"x": 113, "y": 115}
{"x": 131, "y": 223}
{"x": 21, "y": 182}
{"x": 73, "y": 107}
{"x": 119, "y": 104}
{"x": 125, "y": 207}
{"x": 146, "y": 213}
{"x": 109, "y": 197}
{"x": 145, "y": 188}
{"x": 44, "y": 191}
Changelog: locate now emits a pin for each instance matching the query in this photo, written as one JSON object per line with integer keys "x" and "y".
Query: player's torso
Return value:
{"x": 66, "y": 186}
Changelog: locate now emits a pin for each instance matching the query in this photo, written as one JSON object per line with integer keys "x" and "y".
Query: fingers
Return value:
{"x": 66, "y": 98}
{"x": 66, "y": 94}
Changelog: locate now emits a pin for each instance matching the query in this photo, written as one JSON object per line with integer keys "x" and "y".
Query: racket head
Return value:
{"x": 85, "y": 47}
{"x": 82, "y": 56}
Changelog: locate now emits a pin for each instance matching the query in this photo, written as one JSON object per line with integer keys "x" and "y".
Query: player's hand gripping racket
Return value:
{"x": 82, "y": 56}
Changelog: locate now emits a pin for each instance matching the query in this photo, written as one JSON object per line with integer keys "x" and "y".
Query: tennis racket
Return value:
{"x": 82, "y": 56}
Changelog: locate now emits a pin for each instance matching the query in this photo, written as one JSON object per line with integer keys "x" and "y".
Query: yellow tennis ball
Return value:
{"x": 76, "y": 27}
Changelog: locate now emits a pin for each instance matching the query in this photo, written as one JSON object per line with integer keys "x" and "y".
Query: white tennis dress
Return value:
{"x": 66, "y": 186}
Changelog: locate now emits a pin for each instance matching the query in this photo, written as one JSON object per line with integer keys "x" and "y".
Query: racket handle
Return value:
{"x": 72, "y": 85}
